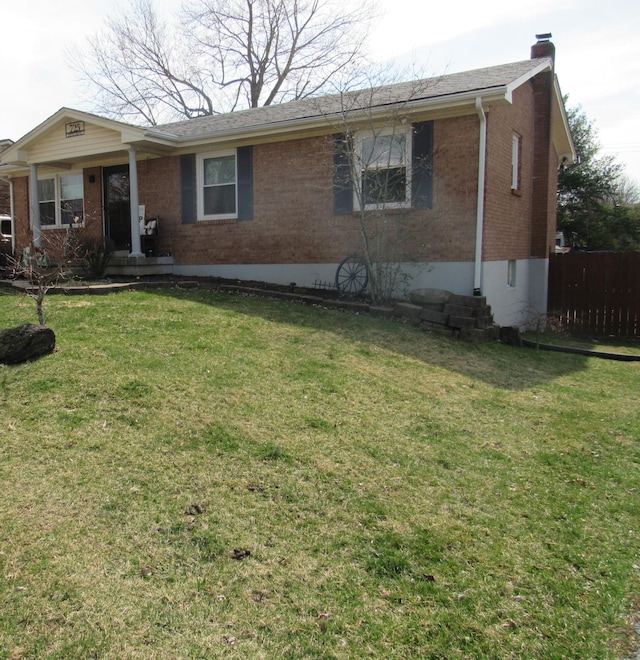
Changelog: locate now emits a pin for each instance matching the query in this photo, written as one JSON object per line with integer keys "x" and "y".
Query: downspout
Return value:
{"x": 482, "y": 162}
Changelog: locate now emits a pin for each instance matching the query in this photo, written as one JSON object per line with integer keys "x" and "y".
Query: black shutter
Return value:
{"x": 245, "y": 183}
{"x": 188, "y": 188}
{"x": 342, "y": 185}
{"x": 422, "y": 166}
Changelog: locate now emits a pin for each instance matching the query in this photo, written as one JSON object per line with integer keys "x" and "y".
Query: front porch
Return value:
{"x": 121, "y": 264}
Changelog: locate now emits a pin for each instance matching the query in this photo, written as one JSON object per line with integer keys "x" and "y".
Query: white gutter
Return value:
{"x": 482, "y": 158}
{"x": 321, "y": 120}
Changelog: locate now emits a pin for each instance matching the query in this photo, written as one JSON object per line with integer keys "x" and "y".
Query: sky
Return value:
{"x": 597, "y": 53}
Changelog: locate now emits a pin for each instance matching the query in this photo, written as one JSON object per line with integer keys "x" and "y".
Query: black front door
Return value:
{"x": 117, "y": 208}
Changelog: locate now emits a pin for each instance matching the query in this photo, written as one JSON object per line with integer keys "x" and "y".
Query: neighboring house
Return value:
{"x": 260, "y": 194}
{"x": 5, "y": 198}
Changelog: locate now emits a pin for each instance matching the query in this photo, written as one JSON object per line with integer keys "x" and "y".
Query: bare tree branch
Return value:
{"x": 224, "y": 54}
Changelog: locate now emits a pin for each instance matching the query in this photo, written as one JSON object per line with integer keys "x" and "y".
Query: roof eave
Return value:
{"x": 562, "y": 135}
{"x": 335, "y": 121}
{"x": 545, "y": 64}
{"x": 16, "y": 153}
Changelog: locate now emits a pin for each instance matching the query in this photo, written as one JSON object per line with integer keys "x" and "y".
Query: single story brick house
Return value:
{"x": 260, "y": 194}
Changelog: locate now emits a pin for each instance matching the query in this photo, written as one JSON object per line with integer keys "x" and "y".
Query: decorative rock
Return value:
{"x": 510, "y": 336}
{"x": 25, "y": 342}
{"x": 428, "y": 297}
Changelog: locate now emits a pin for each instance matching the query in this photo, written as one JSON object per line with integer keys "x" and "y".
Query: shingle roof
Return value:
{"x": 478, "y": 80}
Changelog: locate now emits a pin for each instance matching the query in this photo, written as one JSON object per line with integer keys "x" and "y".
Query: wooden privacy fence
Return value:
{"x": 596, "y": 293}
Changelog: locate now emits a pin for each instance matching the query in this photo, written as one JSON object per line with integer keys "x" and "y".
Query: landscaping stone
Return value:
{"x": 25, "y": 342}
{"x": 510, "y": 336}
{"x": 461, "y": 322}
{"x": 383, "y": 312}
{"x": 478, "y": 335}
{"x": 430, "y": 297}
{"x": 468, "y": 301}
{"x": 407, "y": 310}
{"x": 433, "y": 316}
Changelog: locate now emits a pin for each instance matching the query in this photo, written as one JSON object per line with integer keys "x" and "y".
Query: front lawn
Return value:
{"x": 199, "y": 475}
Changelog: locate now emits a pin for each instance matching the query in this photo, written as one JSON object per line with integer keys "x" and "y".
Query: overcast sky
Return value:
{"x": 597, "y": 53}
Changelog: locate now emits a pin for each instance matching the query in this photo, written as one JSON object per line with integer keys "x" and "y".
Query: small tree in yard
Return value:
{"x": 383, "y": 163}
{"x": 62, "y": 254}
{"x": 43, "y": 271}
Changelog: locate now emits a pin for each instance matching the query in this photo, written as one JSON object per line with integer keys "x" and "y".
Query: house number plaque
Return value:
{"x": 74, "y": 128}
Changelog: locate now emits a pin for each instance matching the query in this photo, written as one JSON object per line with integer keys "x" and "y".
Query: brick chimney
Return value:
{"x": 543, "y": 47}
{"x": 544, "y": 158}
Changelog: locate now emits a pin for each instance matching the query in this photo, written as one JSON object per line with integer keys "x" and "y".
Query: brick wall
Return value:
{"x": 159, "y": 191}
{"x": 92, "y": 207}
{"x": 293, "y": 219}
{"x": 5, "y": 199}
{"x": 507, "y": 228}
{"x": 22, "y": 229}
{"x": 543, "y": 221}
{"x": 92, "y": 181}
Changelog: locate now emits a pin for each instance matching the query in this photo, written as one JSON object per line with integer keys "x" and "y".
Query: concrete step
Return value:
{"x": 140, "y": 266}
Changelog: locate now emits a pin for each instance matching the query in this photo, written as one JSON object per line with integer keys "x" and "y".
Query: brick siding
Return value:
{"x": 293, "y": 218}
{"x": 5, "y": 199}
{"x": 507, "y": 233}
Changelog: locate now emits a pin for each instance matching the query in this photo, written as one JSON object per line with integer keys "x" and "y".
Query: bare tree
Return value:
{"x": 223, "y": 55}
{"x": 627, "y": 192}
{"x": 384, "y": 164}
{"x": 62, "y": 254}
{"x": 42, "y": 271}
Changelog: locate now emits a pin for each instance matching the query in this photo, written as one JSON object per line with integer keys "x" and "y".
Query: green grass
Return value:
{"x": 198, "y": 475}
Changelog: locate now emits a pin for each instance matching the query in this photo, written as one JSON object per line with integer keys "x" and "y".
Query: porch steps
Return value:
{"x": 469, "y": 317}
{"x": 139, "y": 266}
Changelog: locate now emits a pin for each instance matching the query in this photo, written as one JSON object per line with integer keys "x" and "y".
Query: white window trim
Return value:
{"x": 360, "y": 137}
{"x": 200, "y": 184}
{"x": 58, "y": 199}
{"x": 516, "y": 147}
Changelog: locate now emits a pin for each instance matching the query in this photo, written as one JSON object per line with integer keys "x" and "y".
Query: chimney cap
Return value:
{"x": 544, "y": 36}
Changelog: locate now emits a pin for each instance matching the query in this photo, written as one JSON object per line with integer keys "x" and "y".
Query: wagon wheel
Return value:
{"x": 352, "y": 276}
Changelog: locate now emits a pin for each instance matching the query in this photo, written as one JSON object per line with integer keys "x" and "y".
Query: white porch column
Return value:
{"x": 136, "y": 250}
{"x": 34, "y": 206}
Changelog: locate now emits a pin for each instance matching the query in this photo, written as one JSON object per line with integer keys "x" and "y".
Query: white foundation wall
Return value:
{"x": 456, "y": 277}
{"x": 305, "y": 275}
{"x": 525, "y": 302}
{"x": 519, "y": 305}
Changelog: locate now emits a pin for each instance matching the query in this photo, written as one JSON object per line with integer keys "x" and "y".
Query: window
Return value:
{"x": 408, "y": 164}
{"x": 385, "y": 174}
{"x": 516, "y": 148}
{"x": 511, "y": 273}
{"x": 217, "y": 189}
{"x": 61, "y": 200}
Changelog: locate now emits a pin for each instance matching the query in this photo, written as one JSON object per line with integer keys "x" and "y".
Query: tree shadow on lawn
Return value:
{"x": 496, "y": 364}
